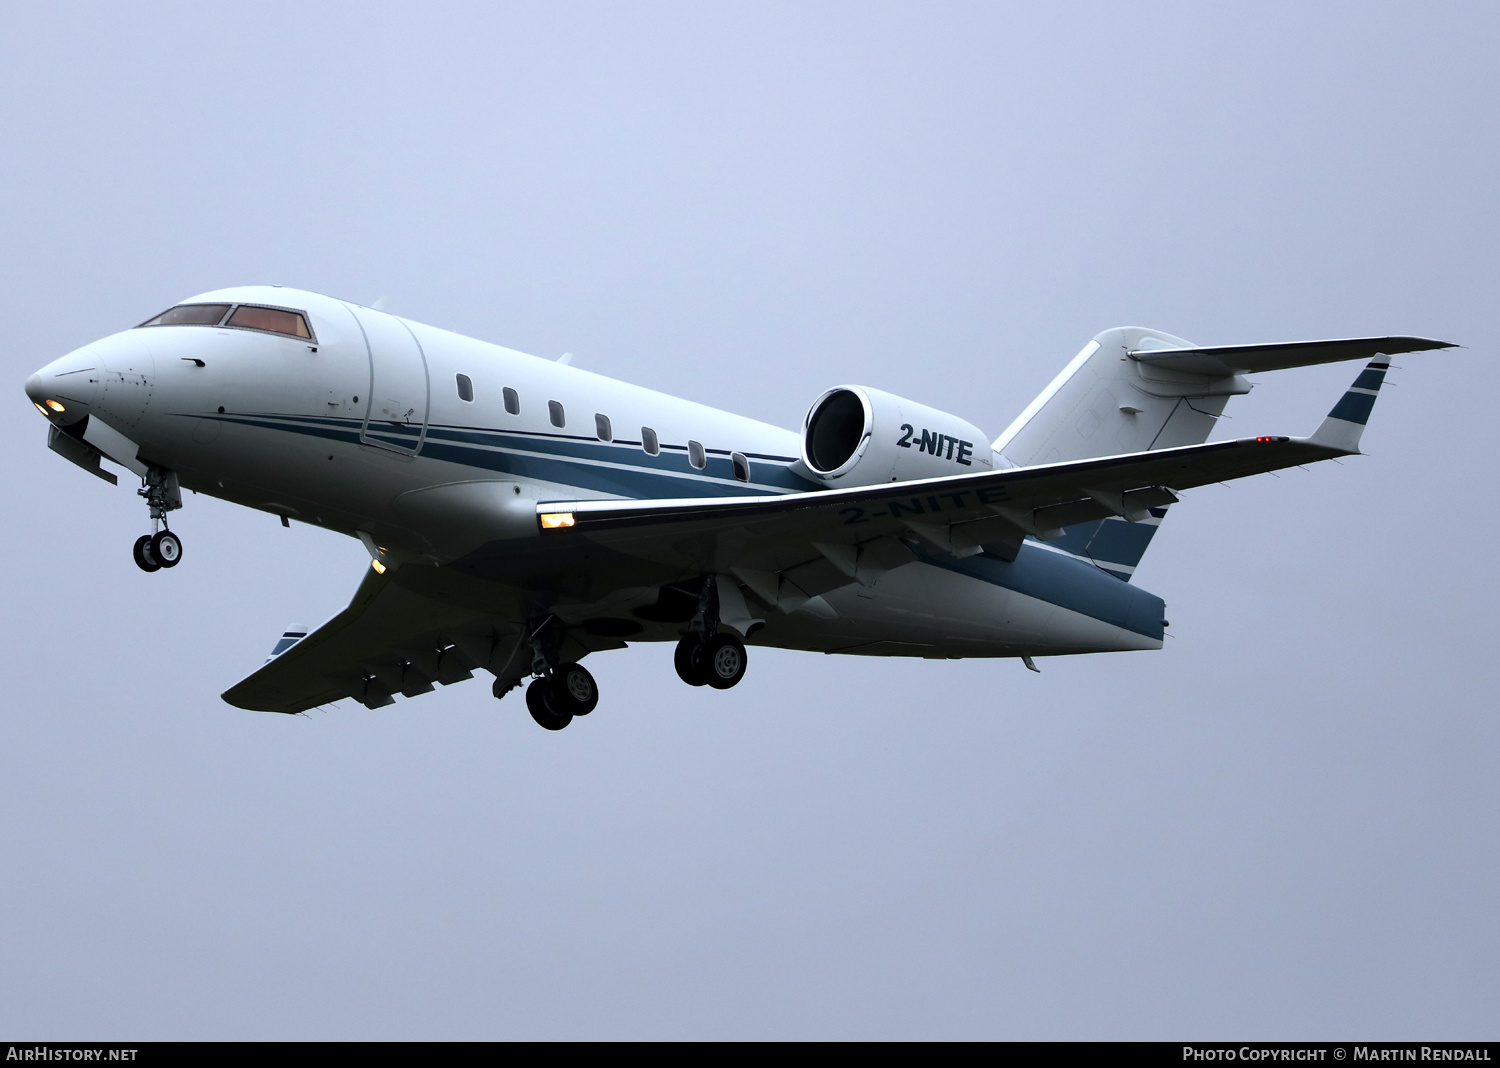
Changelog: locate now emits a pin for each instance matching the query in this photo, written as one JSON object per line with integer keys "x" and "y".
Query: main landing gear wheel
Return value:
{"x": 166, "y": 547}
{"x": 724, "y": 659}
{"x": 574, "y": 690}
{"x": 539, "y": 704}
{"x": 144, "y": 558}
{"x": 688, "y": 660}
{"x": 719, "y": 661}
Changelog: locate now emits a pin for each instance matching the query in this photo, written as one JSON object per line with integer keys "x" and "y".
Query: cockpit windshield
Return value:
{"x": 246, "y": 317}
{"x": 276, "y": 320}
{"x": 190, "y": 315}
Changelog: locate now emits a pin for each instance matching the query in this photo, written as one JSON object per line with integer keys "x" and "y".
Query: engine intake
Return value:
{"x": 857, "y": 436}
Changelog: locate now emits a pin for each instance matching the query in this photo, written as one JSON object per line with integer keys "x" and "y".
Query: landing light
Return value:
{"x": 55, "y": 406}
{"x": 378, "y": 566}
{"x": 556, "y": 520}
{"x": 39, "y": 407}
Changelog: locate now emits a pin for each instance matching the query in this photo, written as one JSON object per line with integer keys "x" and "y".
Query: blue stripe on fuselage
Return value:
{"x": 614, "y": 468}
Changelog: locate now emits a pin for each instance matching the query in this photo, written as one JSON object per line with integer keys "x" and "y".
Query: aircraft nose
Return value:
{"x": 64, "y": 389}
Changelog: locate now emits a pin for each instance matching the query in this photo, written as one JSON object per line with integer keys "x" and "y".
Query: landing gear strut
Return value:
{"x": 161, "y": 548}
{"x": 560, "y": 691}
{"x": 707, "y": 655}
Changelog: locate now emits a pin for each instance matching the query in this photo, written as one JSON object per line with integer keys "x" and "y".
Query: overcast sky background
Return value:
{"x": 1282, "y": 825}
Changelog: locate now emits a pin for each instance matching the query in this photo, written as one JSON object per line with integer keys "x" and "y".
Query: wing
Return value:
{"x": 355, "y": 654}
{"x": 402, "y": 636}
{"x": 791, "y": 548}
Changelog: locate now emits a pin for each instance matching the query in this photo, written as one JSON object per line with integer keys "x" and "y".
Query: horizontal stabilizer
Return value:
{"x": 1224, "y": 360}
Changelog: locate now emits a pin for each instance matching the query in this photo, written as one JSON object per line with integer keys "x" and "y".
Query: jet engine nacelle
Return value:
{"x": 857, "y": 436}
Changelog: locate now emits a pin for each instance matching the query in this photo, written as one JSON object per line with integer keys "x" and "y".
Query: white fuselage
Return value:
{"x": 348, "y": 429}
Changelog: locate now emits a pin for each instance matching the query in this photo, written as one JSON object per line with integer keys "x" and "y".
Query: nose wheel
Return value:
{"x": 153, "y": 552}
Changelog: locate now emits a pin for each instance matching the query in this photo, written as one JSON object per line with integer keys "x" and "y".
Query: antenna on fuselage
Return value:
{"x": 565, "y": 359}
{"x": 379, "y": 305}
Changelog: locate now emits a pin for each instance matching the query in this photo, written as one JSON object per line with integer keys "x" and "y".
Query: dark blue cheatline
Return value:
{"x": 613, "y": 468}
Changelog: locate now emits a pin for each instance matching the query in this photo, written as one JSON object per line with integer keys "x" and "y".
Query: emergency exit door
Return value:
{"x": 396, "y": 417}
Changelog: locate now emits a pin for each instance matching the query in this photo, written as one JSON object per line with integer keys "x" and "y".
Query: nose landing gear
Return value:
{"x": 161, "y": 548}
{"x": 153, "y": 552}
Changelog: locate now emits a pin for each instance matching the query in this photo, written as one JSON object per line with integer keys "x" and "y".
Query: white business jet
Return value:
{"x": 521, "y": 513}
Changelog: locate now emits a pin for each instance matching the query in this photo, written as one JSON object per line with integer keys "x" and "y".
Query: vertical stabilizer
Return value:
{"x": 1105, "y": 402}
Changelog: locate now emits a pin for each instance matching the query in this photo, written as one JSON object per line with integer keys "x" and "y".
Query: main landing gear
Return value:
{"x": 560, "y": 691}
{"x": 161, "y": 548}
{"x": 571, "y": 691}
{"x": 706, "y": 655}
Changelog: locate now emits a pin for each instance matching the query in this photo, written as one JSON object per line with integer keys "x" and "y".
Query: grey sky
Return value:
{"x": 1284, "y": 824}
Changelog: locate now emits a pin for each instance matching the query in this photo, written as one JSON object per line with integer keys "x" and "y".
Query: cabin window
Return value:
{"x": 273, "y": 320}
{"x": 465, "y": 388}
{"x": 555, "y": 412}
{"x": 741, "y": 466}
{"x": 602, "y": 427}
{"x": 649, "y": 443}
{"x": 190, "y": 315}
{"x": 512, "y": 400}
{"x": 696, "y": 456}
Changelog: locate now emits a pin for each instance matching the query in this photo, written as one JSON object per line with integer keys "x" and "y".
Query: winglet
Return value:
{"x": 1346, "y": 423}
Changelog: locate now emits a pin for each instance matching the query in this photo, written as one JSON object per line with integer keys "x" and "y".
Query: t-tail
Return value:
{"x": 1138, "y": 390}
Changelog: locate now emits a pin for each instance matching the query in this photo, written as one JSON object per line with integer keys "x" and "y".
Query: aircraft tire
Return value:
{"x": 166, "y": 548}
{"x": 539, "y": 704}
{"x": 574, "y": 689}
{"x": 142, "y": 553}
{"x": 688, "y": 660}
{"x": 724, "y": 661}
